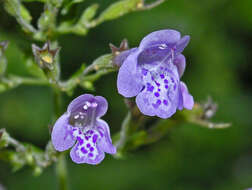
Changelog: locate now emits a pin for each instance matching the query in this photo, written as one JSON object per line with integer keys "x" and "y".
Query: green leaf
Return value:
{"x": 87, "y": 85}
{"x": 88, "y": 13}
{"x": 12, "y": 7}
{"x": 69, "y": 5}
{"x": 3, "y": 87}
{"x": 22, "y": 15}
{"x": 46, "y": 20}
{"x": 79, "y": 72}
{"x": 25, "y": 14}
{"x": 42, "y": 1}
{"x": 118, "y": 9}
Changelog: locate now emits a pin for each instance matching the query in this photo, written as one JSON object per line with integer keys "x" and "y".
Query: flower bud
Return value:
{"x": 45, "y": 56}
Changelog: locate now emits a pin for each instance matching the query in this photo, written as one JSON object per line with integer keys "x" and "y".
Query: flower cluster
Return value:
{"x": 81, "y": 128}
{"x": 152, "y": 73}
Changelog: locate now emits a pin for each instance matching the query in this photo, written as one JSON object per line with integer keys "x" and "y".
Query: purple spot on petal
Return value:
{"x": 161, "y": 68}
{"x": 157, "y": 104}
{"x": 174, "y": 87}
{"x": 150, "y": 87}
{"x": 159, "y": 90}
{"x": 144, "y": 72}
{"x": 91, "y": 149}
{"x": 166, "y": 86}
{"x": 101, "y": 134}
{"x": 95, "y": 138}
{"x": 165, "y": 102}
{"x": 83, "y": 150}
{"x": 165, "y": 81}
{"x": 88, "y": 145}
{"x": 162, "y": 76}
{"x": 156, "y": 94}
{"x": 90, "y": 132}
{"x": 80, "y": 140}
{"x": 90, "y": 155}
{"x": 86, "y": 137}
{"x": 158, "y": 84}
{"x": 172, "y": 79}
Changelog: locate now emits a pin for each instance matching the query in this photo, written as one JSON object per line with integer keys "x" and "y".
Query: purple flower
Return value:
{"x": 152, "y": 73}
{"x": 81, "y": 128}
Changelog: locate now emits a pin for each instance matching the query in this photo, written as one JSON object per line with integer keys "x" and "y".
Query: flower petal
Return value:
{"x": 128, "y": 80}
{"x": 87, "y": 149}
{"x": 160, "y": 96}
{"x": 79, "y": 102}
{"x": 188, "y": 101}
{"x": 182, "y": 43}
{"x": 180, "y": 63}
{"x": 119, "y": 59}
{"x": 154, "y": 55}
{"x": 167, "y": 37}
{"x": 102, "y": 106}
{"x": 79, "y": 156}
{"x": 62, "y": 137}
{"x": 105, "y": 143}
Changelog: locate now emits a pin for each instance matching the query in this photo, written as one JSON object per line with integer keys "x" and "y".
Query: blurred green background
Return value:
{"x": 219, "y": 59}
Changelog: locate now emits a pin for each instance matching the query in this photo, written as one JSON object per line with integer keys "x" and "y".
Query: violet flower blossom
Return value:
{"x": 152, "y": 73}
{"x": 81, "y": 128}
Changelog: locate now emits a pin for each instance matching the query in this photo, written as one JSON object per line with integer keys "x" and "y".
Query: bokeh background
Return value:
{"x": 190, "y": 157}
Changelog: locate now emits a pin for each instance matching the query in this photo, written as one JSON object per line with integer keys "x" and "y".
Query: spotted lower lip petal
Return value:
{"x": 82, "y": 129}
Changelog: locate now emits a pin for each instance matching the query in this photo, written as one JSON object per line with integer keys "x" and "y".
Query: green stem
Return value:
{"x": 57, "y": 102}
{"x": 61, "y": 171}
{"x": 124, "y": 132}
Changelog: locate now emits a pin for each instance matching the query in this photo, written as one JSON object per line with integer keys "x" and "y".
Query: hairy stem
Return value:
{"x": 124, "y": 132}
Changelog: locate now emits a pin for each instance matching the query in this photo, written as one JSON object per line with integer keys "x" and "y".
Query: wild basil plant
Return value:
{"x": 151, "y": 73}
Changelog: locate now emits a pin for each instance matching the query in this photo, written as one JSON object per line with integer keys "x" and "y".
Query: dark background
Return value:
{"x": 190, "y": 157}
